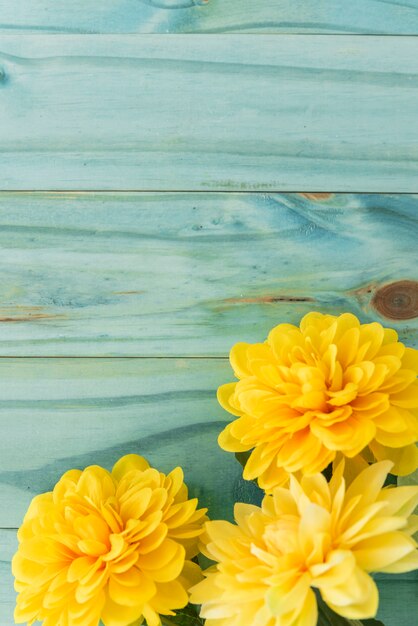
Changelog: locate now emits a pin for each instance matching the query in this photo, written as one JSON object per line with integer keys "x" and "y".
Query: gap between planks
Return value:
{"x": 244, "y": 192}
{"x": 193, "y": 357}
{"x": 213, "y": 32}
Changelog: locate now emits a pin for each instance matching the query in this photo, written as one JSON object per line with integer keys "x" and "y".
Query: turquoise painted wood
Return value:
{"x": 209, "y": 16}
{"x": 224, "y": 112}
{"x": 62, "y": 413}
{"x": 131, "y": 274}
{"x": 143, "y": 271}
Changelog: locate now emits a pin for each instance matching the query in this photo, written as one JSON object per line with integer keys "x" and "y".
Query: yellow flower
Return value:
{"x": 332, "y": 386}
{"x": 108, "y": 546}
{"x": 312, "y": 534}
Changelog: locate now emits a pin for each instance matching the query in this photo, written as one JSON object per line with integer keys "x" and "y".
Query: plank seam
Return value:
{"x": 220, "y": 191}
{"x": 193, "y": 357}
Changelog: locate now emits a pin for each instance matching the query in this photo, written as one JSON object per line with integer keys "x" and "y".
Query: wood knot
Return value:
{"x": 397, "y": 301}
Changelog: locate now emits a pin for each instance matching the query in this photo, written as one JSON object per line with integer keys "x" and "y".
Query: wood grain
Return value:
{"x": 191, "y": 274}
{"x": 210, "y": 16}
{"x": 7, "y": 595}
{"x": 211, "y": 112}
{"x": 62, "y": 413}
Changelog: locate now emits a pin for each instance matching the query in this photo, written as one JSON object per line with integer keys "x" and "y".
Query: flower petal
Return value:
{"x": 358, "y": 600}
{"x": 129, "y": 463}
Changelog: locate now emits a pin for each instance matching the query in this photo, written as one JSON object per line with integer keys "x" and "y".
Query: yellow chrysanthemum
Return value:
{"x": 311, "y": 535}
{"x": 331, "y": 386}
{"x": 108, "y": 546}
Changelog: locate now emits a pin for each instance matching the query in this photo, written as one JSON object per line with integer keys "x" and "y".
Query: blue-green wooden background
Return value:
{"x": 171, "y": 181}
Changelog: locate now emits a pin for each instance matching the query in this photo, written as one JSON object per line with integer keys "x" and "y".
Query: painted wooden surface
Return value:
{"x": 178, "y": 278}
{"x": 210, "y": 16}
{"x": 224, "y": 112}
{"x": 62, "y": 413}
{"x": 191, "y": 274}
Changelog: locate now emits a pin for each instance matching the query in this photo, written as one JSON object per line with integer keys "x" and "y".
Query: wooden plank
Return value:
{"x": 210, "y": 16}
{"x": 211, "y": 112}
{"x": 190, "y": 274}
{"x": 7, "y": 595}
{"x": 62, "y": 413}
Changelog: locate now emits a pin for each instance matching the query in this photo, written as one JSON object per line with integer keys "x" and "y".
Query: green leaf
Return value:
{"x": 189, "y": 616}
{"x": 242, "y": 457}
{"x": 184, "y": 617}
{"x": 411, "y": 479}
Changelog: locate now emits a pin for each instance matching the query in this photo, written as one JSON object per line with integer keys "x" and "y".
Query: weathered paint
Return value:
{"x": 302, "y": 112}
{"x": 133, "y": 274}
{"x": 62, "y": 413}
{"x": 171, "y": 274}
{"x": 209, "y": 16}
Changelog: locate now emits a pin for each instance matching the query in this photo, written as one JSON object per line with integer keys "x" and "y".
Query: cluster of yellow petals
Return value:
{"x": 111, "y": 546}
{"x": 330, "y": 387}
{"x": 312, "y": 534}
